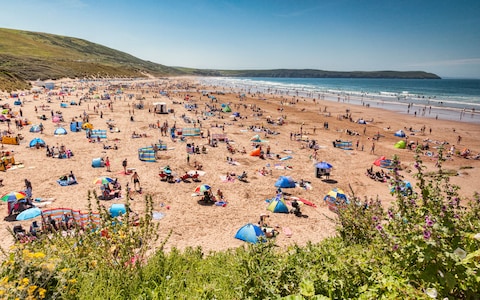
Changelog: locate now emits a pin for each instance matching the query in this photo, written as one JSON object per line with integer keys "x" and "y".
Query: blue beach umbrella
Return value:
{"x": 323, "y": 165}
{"x": 29, "y": 214}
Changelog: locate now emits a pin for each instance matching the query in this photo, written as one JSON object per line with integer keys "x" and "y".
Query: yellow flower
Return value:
{"x": 39, "y": 255}
{"x": 4, "y": 280}
{"x": 64, "y": 270}
{"x": 31, "y": 289}
{"x": 41, "y": 293}
{"x": 72, "y": 281}
{"x": 25, "y": 281}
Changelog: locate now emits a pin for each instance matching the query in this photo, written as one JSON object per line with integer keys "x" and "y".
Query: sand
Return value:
{"x": 213, "y": 227}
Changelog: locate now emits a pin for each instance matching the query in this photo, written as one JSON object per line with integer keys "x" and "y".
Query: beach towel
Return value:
{"x": 224, "y": 178}
{"x": 286, "y": 157}
{"x": 66, "y": 182}
{"x": 200, "y": 173}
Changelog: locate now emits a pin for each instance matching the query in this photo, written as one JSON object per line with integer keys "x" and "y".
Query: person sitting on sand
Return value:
{"x": 270, "y": 232}
{"x": 262, "y": 223}
{"x": 220, "y": 194}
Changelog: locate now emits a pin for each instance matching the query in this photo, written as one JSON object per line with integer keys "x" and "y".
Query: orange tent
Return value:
{"x": 255, "y": 152}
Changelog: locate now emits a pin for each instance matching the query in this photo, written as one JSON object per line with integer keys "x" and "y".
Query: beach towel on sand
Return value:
{"x": 66, "y": 182}
{"x": 225, "y": 179}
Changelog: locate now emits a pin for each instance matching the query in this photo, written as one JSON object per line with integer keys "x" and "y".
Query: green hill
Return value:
{"x": 26, "y": 56}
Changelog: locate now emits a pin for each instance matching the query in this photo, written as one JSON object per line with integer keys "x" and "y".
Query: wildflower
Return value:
{"x": 31, "y": 289}
{"x": 428, "y": 221}
{"x": 460, "y": 253}
{"x": 432, "y": 293}
{"x": 379, "y": 227}
{"x": 41, "y": 293}
{"x": 25, "y": 281}
{"x": 426, "y": 234}
{"x": 390, "y": 214}
{"x": 375, "y": 218}
{"x": 395, "y": 247}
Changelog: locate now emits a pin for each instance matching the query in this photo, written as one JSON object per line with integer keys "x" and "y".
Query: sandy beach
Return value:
{"x": 213, "y": 227}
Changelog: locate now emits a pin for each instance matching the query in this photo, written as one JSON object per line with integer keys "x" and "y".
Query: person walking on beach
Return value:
{"x": 136, "y": 180}
{"x": 372, "y": 150}
{"x": 124, "y": 165}
{"x": 107, "y": 164}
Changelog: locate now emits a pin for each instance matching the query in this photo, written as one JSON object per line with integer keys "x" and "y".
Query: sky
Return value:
{"x": 438, "y": 36}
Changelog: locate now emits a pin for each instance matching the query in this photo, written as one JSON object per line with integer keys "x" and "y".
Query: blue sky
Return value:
{"x": 439, "y": 36}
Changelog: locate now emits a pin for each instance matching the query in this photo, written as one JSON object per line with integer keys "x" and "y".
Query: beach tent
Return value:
{"x": 250, "y": 233}
{"x": 400, "y": 133}
{"x": 60, "y": 131}
{"x": 226, "y": 108}
{"x": 98, "y": 163}
{"x": 336, "y": 198}
{"x": 75, "y": 126}
{"x": 160, "y": 107}
{"x": 37, "y": 141}
{"x": 383, "y": 162}
{"x": 278, "y": 205}
{"x": 117, "y": 209}
{"x": 35, "y": 128}
{"x": 400, "y": 144}
{"x": 285, "y": 182}
{"x": 87, "y": 126}
{"x": 255, "y": 152}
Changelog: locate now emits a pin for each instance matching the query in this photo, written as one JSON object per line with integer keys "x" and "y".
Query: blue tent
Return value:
{"x": 278, "y": 205}
{"x": 285, "y": 182}
{"x": 60, "y": 131}
{"x": 35, "y": 128}
{"x": 250, "y": 233}
{"x": 37, "y": 141}
{"x": 117, "y": 209}
{"x": 399, "y": 133}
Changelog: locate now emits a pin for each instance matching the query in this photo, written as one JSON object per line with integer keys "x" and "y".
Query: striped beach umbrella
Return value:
{"x": 13, "y": 196}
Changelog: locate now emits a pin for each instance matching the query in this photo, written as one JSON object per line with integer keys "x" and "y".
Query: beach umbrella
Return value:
{"x": 250, "y": 233}
{"x": 323, "y": 165}
{"x": 336, "y": 195}
{"x": 202, "y": 188}
{"x": 103, "y": 180}
{"x": 13, "y": 196}
{"x": 378, "y": 161}
{"x": 29, "y": 214}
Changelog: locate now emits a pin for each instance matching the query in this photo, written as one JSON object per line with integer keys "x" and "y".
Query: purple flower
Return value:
{"x": 375, "y": 218}
{"x": 426, "y": 234}
{"x": 395, "y": 247}
{"x": 379, "y": 227}
{"x": 390, "y": 214}
{"x": 429, "y": 221}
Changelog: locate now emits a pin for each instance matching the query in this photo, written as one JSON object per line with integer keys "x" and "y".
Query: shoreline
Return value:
{"x": 395, "y": 102}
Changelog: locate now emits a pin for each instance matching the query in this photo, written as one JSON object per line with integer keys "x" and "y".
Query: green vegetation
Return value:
{"x": 29, "y": 56}
{"x": 26, "y": 56}
{"x": 427, "y": 245}
{"x": 310, "y": 73}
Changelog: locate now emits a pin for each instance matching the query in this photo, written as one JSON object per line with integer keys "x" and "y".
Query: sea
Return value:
{"x": 442, "y": 99}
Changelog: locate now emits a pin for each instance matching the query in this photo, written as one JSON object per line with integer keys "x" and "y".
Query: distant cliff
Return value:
{"x": 311, "y": 73}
